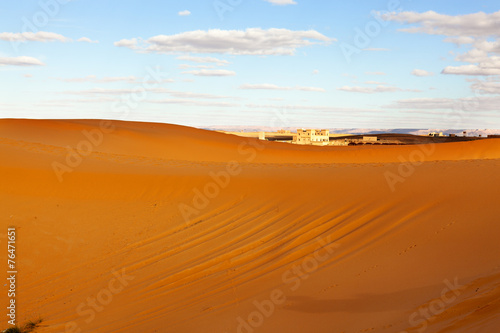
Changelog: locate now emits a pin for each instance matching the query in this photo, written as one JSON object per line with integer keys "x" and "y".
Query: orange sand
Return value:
{"x": 297, "y": 239}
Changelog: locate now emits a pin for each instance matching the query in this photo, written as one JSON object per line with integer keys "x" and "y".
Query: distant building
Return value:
{"x": 435, "y": 134}
{"x": 369, "y": 139}
{"x": 262, "y": 135}
{"x": 312, "y": 137}
{"x": 497, "y": 136}
{"x": 282, "y": 131}
{"x": 339, "y": 142}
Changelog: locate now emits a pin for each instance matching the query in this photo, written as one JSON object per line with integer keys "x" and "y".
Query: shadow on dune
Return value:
{"x": 362, "y": 303}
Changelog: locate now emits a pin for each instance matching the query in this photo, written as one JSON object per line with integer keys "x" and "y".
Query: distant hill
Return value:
{"x": 414, "y": 131}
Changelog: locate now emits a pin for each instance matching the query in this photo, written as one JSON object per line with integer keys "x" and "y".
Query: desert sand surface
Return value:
{"x": 165, "y": 228}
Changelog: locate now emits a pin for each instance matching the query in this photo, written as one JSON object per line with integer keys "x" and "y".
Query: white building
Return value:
{"x": 312, "y": 136}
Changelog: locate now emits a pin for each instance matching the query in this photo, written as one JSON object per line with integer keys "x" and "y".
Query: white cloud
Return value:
{"x": 421, "y": 72}
{"x": 375, "y": 73}
{"x": 481, "y": 52}
{"x": 159, "y": 90}
{"x": 458, "y": 105}
{"x": 20, "y": 61}
{"x": 486, "y": 87}
{"x": 188, "y": 94}
{"x": 158, "y": 81}
{"x": 424, "y": 103}
{"x": 368, "y": 90}
{"x": 72, "y": 102}
{"x": 202, "y": 60}
{"x": 252, "y": 41}
{"x": 130, "y": 43}
{"x": 470, "y": 70}
{"x": 93, "y": 78}
{"x": 185, "y": 66}
{"x": 98, "y": 91}
{"x": 87, "y": 40}
{"x": 268, "y": 86}
{"x": 282, "y": 2}
{"x": 354, "y": 77}
{"x": 461, "y": 40}
{"x": 376, "y": 49}
{"x": 184, "y": 13}
{"x": 90, "y": 78}
{"x": 376, "y": 82}
{"x": 471, "y": 29}
{"x": 474, "y": 25}
{"x": 191, "y": 102}
{"x": 318, "y": 108}
{"x": 40, "y": 36}
{"x": 373, "y": 90}
{"x": 118, "y": 79}
{"x": 211, "y": 72}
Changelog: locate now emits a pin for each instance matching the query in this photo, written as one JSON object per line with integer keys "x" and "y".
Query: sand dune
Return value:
{"x": 163, "y": 228}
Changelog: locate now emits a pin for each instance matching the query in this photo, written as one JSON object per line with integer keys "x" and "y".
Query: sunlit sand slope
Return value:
{"x": 140, "y": 227}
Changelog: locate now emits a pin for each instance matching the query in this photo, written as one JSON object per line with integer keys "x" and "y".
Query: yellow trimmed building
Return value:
{"x": 312, "y": 137}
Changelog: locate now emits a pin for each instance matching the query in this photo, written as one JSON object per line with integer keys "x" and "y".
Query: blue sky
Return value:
{"x": 281, "y": 63}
